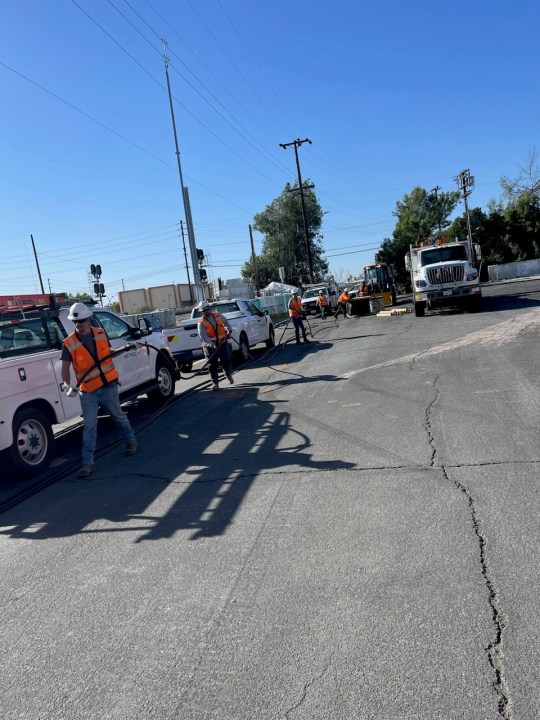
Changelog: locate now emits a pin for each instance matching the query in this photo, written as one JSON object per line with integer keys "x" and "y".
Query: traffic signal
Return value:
{"x": 204, "y": 276}
{"x": 92, "y": 269}
{"x": 200, "y": 256}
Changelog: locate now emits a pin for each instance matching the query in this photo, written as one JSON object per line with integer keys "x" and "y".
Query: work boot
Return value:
{"x": 86, "y": 470}
{"x": 306, "y": 340}
{"x": 215, "y": 386}
{"x": 230, "y": 379}
{"x": 131, "y": 448}
{"x": 298, "y": 341}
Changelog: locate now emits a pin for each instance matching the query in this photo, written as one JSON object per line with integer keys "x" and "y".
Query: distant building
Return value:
{"x": 155, "y": 298}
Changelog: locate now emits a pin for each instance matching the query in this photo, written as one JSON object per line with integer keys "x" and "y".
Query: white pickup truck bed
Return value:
{"x": 250, "y": 325}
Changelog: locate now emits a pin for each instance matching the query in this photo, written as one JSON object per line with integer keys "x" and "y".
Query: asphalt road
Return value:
{"x": 351, "y": 530}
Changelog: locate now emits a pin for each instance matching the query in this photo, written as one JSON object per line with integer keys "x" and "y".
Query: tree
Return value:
{"x": 527, "y": 181}
{"x": 284, "y": 243}
{"x": 420, "y": 214}
{"x": 78, "y": 297}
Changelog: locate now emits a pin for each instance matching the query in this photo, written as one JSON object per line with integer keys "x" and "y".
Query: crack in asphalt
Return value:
{"x": 494, "y": 649}
{"x": 318, "y": 471}
{"x": 307, "y": 686}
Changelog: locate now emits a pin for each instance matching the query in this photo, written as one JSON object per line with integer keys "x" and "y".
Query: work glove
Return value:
{"x": 70, "y": 391}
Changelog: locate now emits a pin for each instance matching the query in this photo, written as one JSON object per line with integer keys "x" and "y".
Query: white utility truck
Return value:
{"x": 250, "y": 326}
{"x": 443, "y": 275}
{"x": 31, "y": 382}
{"x": 311, "y": 293}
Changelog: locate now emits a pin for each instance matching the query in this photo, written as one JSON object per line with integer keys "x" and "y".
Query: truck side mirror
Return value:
{"x": 145, "y": 328}
{"x": 407, "y": 262}
{"x": 478, "y": 251}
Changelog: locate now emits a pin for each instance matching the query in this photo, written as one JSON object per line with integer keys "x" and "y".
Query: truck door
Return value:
{"x": 257, "y": 322}
{"x": 134, "y": 365}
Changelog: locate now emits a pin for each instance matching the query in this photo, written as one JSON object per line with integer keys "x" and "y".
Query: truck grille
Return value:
{"x": 443, "y": 275}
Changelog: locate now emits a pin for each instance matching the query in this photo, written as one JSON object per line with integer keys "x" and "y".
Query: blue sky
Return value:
{"x": 392, "y": 94}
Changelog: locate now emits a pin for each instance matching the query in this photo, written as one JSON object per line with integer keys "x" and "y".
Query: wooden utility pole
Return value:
{"x": 465, "y": 183}
{"x": 254, "y": 261}
{"x": 37, "y": 265}
{"x": 296, "y": 144}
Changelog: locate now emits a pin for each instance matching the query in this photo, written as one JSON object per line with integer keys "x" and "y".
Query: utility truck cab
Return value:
{"x": 443, "y": 275}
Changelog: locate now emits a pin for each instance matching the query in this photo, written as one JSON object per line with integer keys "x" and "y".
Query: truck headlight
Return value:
{"x": 472, "y": 274}
{"x": 420, "y": 283}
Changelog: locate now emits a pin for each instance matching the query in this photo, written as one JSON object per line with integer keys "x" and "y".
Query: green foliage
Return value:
{"x": 284, "y": 244}
{"x": 78, "y": 297}
{"x": 419, "y": 215}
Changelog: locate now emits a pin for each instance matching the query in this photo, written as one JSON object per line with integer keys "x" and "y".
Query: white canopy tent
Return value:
{"x": 277, "y": 288}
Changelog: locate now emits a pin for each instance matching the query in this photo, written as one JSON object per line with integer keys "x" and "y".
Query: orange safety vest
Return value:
{"x": 100, "y": 373}
{"x": 295, "y": 307}
{"x": 363, "y": 290}
{"x": 222, "y": 333}
{"x": 321, "y": 300}
{"x": 344, "y": 298}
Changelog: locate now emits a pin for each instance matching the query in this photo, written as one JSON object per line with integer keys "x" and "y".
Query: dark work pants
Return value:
{"x": 222, "y": 355}
{"x": 299, "y": 325}
{"x": 341, "y": 307}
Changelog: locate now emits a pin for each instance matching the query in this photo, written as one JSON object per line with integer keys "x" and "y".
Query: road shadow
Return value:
{"x": 211, "y": 447}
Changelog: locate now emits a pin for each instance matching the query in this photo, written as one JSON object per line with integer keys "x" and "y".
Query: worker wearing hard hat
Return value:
{"x": 322, "y": 304}
{"x": 214, "y": 330}
{"x": 363, "y": 289}
{"x": 296, "y": 315}
{"x": 87, "y": 349}
{"x": 342, "y": 303}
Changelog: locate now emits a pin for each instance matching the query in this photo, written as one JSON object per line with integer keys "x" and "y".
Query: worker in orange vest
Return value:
{"x": 322, "y": 303}
{"x": 214, "y": 330}
{"x": 87, "y": 349}
{"x": 296, "y": 315}
{"x": 342, "y": 304}
{"x": 363, "y": 289}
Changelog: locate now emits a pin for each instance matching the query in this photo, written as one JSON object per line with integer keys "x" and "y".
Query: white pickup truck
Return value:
{"x": 30, "y": 377}
{"x": 250, "y": 325}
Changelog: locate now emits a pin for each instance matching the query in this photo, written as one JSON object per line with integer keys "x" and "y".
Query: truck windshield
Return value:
{"x": 442, "y": 254}
{"x": 225, "y": 307}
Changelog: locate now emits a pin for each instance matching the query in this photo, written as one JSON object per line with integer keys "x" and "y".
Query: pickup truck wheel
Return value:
{"x": 419, "y": 309}
{"x": 243, "y": 344}
{"x": 33, "y": 441}
{"x": 271, "y": 338}
{"x": 165, "y": 384}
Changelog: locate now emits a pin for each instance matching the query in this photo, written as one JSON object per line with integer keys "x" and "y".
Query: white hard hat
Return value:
{"x": 204, "y": 305}
{"x": 321, "y": 292}
{"x": 295, "y": 292}
{"x": 79, "y": 311}
{"x": 346, "y": 290}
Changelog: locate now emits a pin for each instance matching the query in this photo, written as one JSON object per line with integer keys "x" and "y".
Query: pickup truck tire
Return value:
{"x": 33, "y": 441}
{"x": 419, "y": 309}
{"x": 165, "y": 384}
{"x": 243, "y": 345}
{"x": 270, "y": 343}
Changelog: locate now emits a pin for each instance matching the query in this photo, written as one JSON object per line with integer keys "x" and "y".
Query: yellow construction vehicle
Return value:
{"x": 380, "y": 280}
